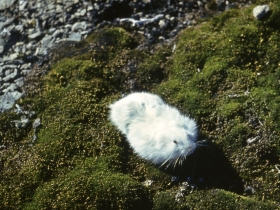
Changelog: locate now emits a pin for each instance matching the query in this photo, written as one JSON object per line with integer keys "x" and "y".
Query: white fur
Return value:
{"x": 156, "y": 131}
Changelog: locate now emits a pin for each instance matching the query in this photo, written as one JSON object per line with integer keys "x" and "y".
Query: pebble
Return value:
{"x": 2, "y": 44}
{"x": 260, "y": 11}
{"x": 6, "y": 3}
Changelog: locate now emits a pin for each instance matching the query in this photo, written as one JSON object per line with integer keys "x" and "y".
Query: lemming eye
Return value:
{"x": 175, "y": 141}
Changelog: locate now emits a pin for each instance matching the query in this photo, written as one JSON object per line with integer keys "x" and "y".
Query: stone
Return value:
{"x": 11, "y": 57}
{"x": 35, "y": 35}
{"x": 19, "y": 82}
{"x": 11, "y": 88}
{"x": 75, "y": 36}
{"x": 22, "y": 5}
{"x": 25, "y": 66}
{"x": 57, "y": 33}
{"x": 16, "y": 95}
{"x": 47, "y": 40}
{"x": 6, "y": 101}
{"x": 11, "y": 76}
{"x": 260, "y": 11}
{"x": 2, "y": 44}
{"x": 19, "y": 28}
{"x": 83, "y": 12}
{"x": 6, "y": 23}
{"x": 6, "y": 3}
{"x": 5, "y": 33}
{"x": 25, "y": 71}
{"x": 9, "y": 66}
{"x": 162, "y": 24}
{"x": 41, "y": 51}
{"x": 79, "y": 25}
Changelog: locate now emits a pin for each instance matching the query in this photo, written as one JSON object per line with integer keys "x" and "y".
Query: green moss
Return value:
{"x": 211, "y": 199}
{"x": 92, "y": 185}
{"x": 227, "y": 200}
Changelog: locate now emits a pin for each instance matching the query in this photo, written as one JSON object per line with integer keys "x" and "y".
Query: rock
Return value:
{"x": 19, "y": 82}
{"x": 83, "y": 12}
{"x": 25, "y": 71}
{"x": 11, "y": 88}
{"x": 47, "y": 41}
{"x": 6, "y": 3}
{"x": 16, "y": 95}
{"x": 6, "y": 101}
{"x": 6, "y": 23}
{"x": 1, "y": 71}
{"x": 162, "y": 24}
{"x": 2, "y": 44}
{"x": 41, "y": 51}
{"x": 35, "y": 35}
{"x": 57, "y": 33}
{"x": 249, "y": 190}
{"x": 260, "y": 11}
{"x": 75, "y": 36}
{"x": 25, "y": 66}
{"x": 9, "y": 66}
{"x": 11, "y": 76}
{"x": 11, "y": 57}
{"x": 79, "y": 25}
{"x": 22, "y": 5}
{"x": 19, "y": 28}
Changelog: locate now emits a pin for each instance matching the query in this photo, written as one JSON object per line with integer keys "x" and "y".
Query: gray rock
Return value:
{"x": 8, "y": 71}
{"x": 57, "y": 33}
{"x": 6, "y": 23}
{"x": 25, "y": 71}
{"x": 31, "y": 45}
{"x": 41, "y": 51}
{"x": 75, "y": 36}
{"x": 162, "y": 24}
{"x": 25, "y": 66}
{"x": 5, "y": 33}
{"x": 1, "y": 71}
{"x": 22, "y": 5}
{"x": 51, "y": 6}
{"x": 6, "y": 3}
{"x": 6, "y": 101}
{"x": 83, "y": 12}
{"x": 11, "y": 76}
{"x": 35, "y": 35}
{"x": 11, "y": 88}
{"x": 47, "y": 41}
{"x": 9, "y": 66}
{"x": 79, "y": 25}
{"x": 59, "y": 8}
{"x": 89, "y": 8}
{"x": 260, "y": 11}
{"x": 11, "y": 57}
{"x": 19, "y": 82}
{"x": 2, "y": 44}
{"x": 19, "y": 28}
{"x": 16, "y": 95}
{"x": 51, "y": 30}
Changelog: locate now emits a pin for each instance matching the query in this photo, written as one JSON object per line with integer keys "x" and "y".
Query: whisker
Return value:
{"x": 164, "y": 162}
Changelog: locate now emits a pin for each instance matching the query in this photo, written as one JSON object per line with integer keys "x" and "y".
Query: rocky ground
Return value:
{"x": 30, "y": 29}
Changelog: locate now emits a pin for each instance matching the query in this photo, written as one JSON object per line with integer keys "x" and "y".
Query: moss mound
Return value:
{"x": 224, "y": 73}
